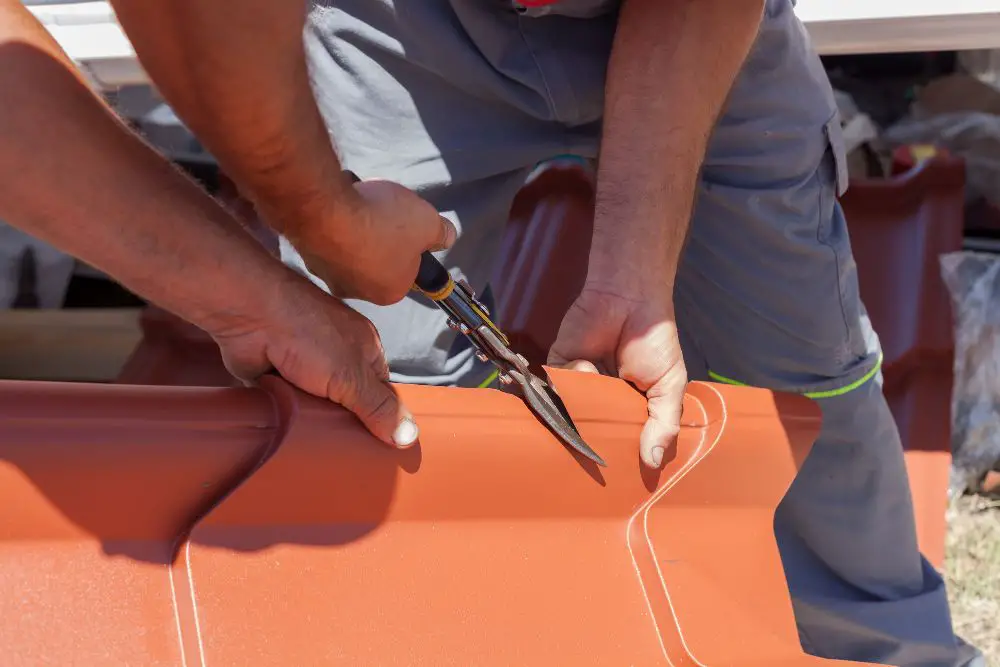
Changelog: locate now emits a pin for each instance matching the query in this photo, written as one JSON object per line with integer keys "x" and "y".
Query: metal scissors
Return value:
{"x": 467, "y": 315}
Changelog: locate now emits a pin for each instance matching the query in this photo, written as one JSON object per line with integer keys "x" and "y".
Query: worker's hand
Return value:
{"x": 635, "y": 339}
{"x": 370, "y": 248}
{"x": 322, "y": 347}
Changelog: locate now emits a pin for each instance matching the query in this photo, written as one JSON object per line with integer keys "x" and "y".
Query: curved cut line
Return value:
{"x": 184, "y": 539}
{"x": 628, "y": 536}
{"x": 194, "y": 604}
{"x": 177, "y": 614}
{"x": 659, "y": 571}
{"x": 699, "y": 454}
{"x": 183, "y": 625}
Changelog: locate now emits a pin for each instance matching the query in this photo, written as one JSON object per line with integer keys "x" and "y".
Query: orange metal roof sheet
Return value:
{"x": 488, "y": 544}
{"x": 98, "y": 485}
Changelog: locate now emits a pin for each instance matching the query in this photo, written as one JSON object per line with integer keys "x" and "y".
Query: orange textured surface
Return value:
{"x": 98, "y": 486}
{"x": 488, "y": 544}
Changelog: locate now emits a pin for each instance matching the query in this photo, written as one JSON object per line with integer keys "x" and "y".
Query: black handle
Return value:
{"x": 432, "y": 277}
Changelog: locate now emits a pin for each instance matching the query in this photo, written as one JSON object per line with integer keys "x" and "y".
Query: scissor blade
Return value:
{"x": 539, "y": 396}
{"x": 550, "y": 409}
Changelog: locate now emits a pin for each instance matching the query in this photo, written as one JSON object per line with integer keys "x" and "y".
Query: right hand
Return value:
{"x": 370, "y": 248}
{"x": 322, "y": 347}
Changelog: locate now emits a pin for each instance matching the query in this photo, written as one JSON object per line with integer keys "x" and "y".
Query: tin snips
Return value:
{"x": 467, "y": 315}
{"x": 470, "y": 317}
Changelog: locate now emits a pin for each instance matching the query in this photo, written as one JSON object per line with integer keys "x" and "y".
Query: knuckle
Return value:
{"x": 343, "y": 386}
{"x": 287, "y": 361}
{"x": 381, "y": 407}
{"x": 380, "y": 368}
{"x": 245, "y": 360}
{"x": 376, "y": 359}
{"x": 670, "y": 429}
{"x": 357, "y": 387}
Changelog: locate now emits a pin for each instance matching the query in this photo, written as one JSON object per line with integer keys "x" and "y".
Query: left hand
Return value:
{"x": 636, "y": 340}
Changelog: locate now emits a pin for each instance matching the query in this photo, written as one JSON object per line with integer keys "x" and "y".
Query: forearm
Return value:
{"x": 671, "y": 69}
{"x": 74, "y": 175}
{"x": 236, "y": 74}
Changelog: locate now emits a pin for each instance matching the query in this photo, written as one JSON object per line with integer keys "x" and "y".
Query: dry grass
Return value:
{"x": 973, "y": 573}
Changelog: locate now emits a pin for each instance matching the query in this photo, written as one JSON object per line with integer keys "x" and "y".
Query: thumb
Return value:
{"x": 664, "y": 403}
{"x": 445, "y": 235}
{"x": 376, "y": 404}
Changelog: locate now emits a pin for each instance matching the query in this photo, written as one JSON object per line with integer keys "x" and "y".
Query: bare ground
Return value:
{"x": 973, "y": 572}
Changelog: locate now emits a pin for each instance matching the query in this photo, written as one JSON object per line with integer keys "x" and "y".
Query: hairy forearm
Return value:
{"x": 73, "y": 174}
{"x": 671, "y": 69}
{"x": 236, "y": 74}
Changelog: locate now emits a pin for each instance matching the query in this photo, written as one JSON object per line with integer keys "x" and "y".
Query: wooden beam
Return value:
{"x": 75, "y": 344}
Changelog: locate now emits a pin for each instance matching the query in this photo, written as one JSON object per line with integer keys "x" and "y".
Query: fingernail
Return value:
{"x": 406, "y": 433}
{"x": 583, "y": 366}
{"x": 451, "y": 235}
{"x": 657, "y": 456}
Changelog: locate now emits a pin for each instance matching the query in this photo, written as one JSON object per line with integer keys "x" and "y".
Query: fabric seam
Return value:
{"x": 822, "y": 232}
{"x": 538, "y": 66}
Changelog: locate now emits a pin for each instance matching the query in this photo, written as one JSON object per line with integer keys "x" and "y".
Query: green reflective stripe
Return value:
{"x": 851, "y": 387}
{"x": 724, "y": 380}
{"x": 489, "y": 380}
{"x": 814, "y": 394}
